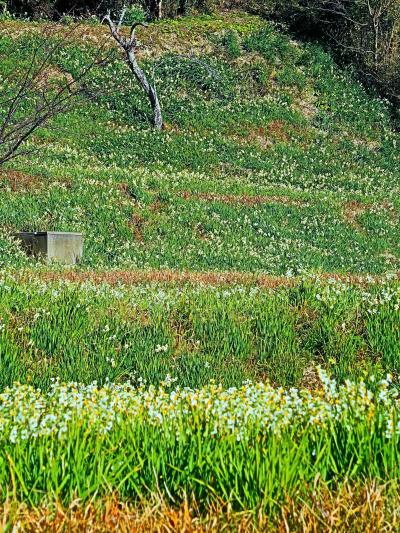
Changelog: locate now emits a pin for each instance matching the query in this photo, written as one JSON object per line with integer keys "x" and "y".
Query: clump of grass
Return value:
{"x": 232, "y": 43}
{"x": 79, "y": 331}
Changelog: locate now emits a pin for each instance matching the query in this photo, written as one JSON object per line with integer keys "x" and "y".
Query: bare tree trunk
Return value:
{"x": 149, "y": 90}
{"x": 129, "y": 46}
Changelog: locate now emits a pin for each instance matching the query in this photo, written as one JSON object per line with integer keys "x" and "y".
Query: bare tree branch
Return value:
{"x": 38, "y": 99}
{"x": 133, "y": 29}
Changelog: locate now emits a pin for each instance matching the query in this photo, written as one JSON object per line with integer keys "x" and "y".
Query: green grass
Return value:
{"x": 196, "y": 334}
{"x": 250, "y": 448}
{"x": 259, "y": 114}
{"x": 273, "y": 160}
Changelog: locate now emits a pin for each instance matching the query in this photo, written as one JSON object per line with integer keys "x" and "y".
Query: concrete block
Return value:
{"x": 61, "y": 247}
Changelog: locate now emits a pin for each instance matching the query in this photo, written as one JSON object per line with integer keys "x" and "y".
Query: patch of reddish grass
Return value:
{"x": 136, "y": 223}
{"x": 20, "y": 181}
{"x": 135, "y": 277}
{"x": 352, "y": 210}
{"x": 276, "y": 131}
{"x": 175, "y": 277}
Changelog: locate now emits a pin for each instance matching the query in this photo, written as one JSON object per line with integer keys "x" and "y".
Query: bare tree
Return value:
{"x": 367, "y": 31}
{"x": 39, "y": 92}
{"x": 129, "y": 45}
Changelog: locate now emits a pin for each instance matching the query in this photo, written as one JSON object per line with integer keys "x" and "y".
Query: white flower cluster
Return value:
{"x": 28, "y": 413}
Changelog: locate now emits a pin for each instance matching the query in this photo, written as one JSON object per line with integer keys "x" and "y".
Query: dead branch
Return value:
{"x": 129, "y": 46}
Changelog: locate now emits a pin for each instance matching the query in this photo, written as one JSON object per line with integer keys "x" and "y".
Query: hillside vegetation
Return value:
{"x": 227, "y": 355}
{"x": 363, "y": 33}
{"x": 273, "y": 159}
{"x": 196, "y": 334}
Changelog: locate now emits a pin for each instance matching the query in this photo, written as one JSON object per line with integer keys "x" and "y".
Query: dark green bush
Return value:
{"x": 232, "y": 44}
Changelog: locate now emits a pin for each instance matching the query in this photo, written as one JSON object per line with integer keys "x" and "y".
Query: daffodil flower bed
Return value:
{"x": 29, "y": 413}
{"x": 250, "y": 446}
{"x": 85, "y": 332}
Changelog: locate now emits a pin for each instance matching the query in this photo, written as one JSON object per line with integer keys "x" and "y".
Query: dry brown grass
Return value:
{"x": 243, "y": 199}
{"x": 174, "y": 277}
{"x": 370, "y": 508}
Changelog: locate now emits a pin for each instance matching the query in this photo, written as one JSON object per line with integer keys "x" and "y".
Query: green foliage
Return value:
{"x": 272, "y": 45}
{"x": 232, "y": 44}
{"x": 84, "y": 333}
{"x": 68, "y": 20}
{"x": 4, "y": 12}
{"x": 209, "y": 78}
{"x": 134, "y": 13}
{"x": 384, "y": 320}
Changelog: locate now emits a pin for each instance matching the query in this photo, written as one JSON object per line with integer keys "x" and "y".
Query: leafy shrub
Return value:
{"x": 272, "y": 45}
{"x": 232, "y": 44}
{"x": 67, "y": 20}
{"x": 93, "y": 20}
{"x": 211, "y": 76}
{"x": 292, "y": 77}
{"x": 4, "y": 12}
{"x": 134, "y": 13}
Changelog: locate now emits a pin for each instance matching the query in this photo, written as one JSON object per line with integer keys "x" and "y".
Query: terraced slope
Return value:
{"x": 273, "y": 159}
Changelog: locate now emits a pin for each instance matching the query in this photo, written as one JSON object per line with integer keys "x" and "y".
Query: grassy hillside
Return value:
{"x": 245, "y": 400}
{"x": 272, "y": 159}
